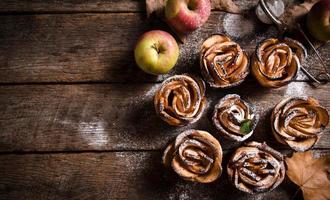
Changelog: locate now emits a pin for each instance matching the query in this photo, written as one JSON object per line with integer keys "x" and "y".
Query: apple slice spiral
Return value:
{"x": 299, "y": 122}
{"x": 234, "y": 118}
{"x": 195, "y": 156}
{"x": 256, "y": 167}
{"x": 223, "y": 63}
{"x": 180, "y": 100}
{"x": 276, "y": 62}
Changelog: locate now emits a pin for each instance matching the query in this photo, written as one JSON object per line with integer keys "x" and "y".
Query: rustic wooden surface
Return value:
{"x": 118, "y": 116}
{"x": 76, "y": 114}
{"x": 72, "y": 6}
{"x": 98, "y": 47}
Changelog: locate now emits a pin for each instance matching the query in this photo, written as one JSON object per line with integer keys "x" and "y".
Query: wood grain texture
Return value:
{"x": 69, "y": 41}
{"x": 114, "y": 175}
{"x": 53, "y": 6}
{"x": 99, "y": 47}
{"x": 119, "y": 116}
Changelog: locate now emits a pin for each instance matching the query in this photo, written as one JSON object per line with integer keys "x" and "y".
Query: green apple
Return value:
{"x": 318, "y": 20}
{"x": 156, "y": 52}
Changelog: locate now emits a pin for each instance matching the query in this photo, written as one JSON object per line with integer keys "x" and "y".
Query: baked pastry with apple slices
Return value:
{"x": 223, "y": 63}
{"x": 256, "y": 167}
{"x": 195, "y": 155}
{"x": 234, "y": 118}
{"x": 276, "y": 62}
{"x": 299, "y": 122}
{"x": 180, "y": 100}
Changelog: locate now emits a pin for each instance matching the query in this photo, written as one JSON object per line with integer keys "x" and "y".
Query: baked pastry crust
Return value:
{"x": 180, "y": 100}
{"x": 234, "y": 118}
{"x": 256, "y": 167}
{"x": 195, "y": 155}
{"x": 299, "y": 122}
{"x": 223, "y": 63}
{"x": 276, "y": 62}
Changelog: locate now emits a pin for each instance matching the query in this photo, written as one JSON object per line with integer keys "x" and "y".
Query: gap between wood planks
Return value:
{"x": 122, "y": 151}
{"x": 114, "y": 117}
{"x": 110, "y": 83}
{"x": 20, "y": 13}
{"x": 89, "y": 48}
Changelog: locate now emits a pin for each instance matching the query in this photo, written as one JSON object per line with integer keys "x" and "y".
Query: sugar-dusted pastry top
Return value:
{"x": 255, "y": 167}
{"x": 299, "y": 122}
{"x": 180, "y": 100}
{"x": 195, "y": 156}
{"x": 223, "y": 63}
{"x": 234, "y": 118}
{"x": 276, "y": 61}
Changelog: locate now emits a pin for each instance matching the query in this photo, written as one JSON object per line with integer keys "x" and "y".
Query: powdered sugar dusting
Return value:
{"x": 180, "y": 191}
{"x": 131, "y": 132}
{"x": 149, "y": 94}
{"x": 93, "y": 133}
{"x": 133, "y": 162}
{"x": 270, "y": 32}
{"x": 189, "y": 51}
{"x": 295, "y": 89}
{"x": 238, "y": 26}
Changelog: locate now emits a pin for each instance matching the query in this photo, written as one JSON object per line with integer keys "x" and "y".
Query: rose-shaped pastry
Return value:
{"x": 223, "y": 63}
{"x": 195, "y": 156}
{"x": 180, "y": 100}
{"x": 256, "y": 167}
{"x": 276, "y": 62}
{"x": 234, "y": 118}
{"x": 299, "y": 122}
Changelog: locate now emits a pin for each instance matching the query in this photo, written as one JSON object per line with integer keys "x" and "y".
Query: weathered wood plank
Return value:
{"x": 118, "y": 116}
{"x": 99, "y": 47}
{"x": 68, "y": 47}
{"x": 116, "y": 175}
{"x": 53, "y": 6}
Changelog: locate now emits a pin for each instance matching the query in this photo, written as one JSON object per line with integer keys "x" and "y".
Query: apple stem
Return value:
{"x": 155, "y": 46}
{"x": 191, "y": 5}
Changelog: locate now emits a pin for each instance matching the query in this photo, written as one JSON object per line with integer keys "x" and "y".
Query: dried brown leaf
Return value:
{"x": 310, "y": 174}
{"x": 225, "y": 5}
{"x": 295, "y": 12}
{"x": 155, "y": 6}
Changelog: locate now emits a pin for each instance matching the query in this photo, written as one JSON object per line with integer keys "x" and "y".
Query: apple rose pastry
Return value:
{"x": 234, "y": 118}
{"x": 299, "y": 122}
{"x": 223, "y": 63}
{"x": 195, "y": 156}
{"x": 256, "y": 167}
{"x": 276, "y": 62}
{"x": 180, "y": 100}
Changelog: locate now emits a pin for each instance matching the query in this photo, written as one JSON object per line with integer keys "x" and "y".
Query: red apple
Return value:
{"x": 156, "y": 52}
{"x": 187, "y": 15}
{"x": 318, "y": 20}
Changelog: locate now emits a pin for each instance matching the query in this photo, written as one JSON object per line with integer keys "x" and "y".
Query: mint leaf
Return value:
{"x": 246, "y": 126}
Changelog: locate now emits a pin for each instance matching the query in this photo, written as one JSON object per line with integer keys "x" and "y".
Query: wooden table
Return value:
{"x": 76, "y": 114}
